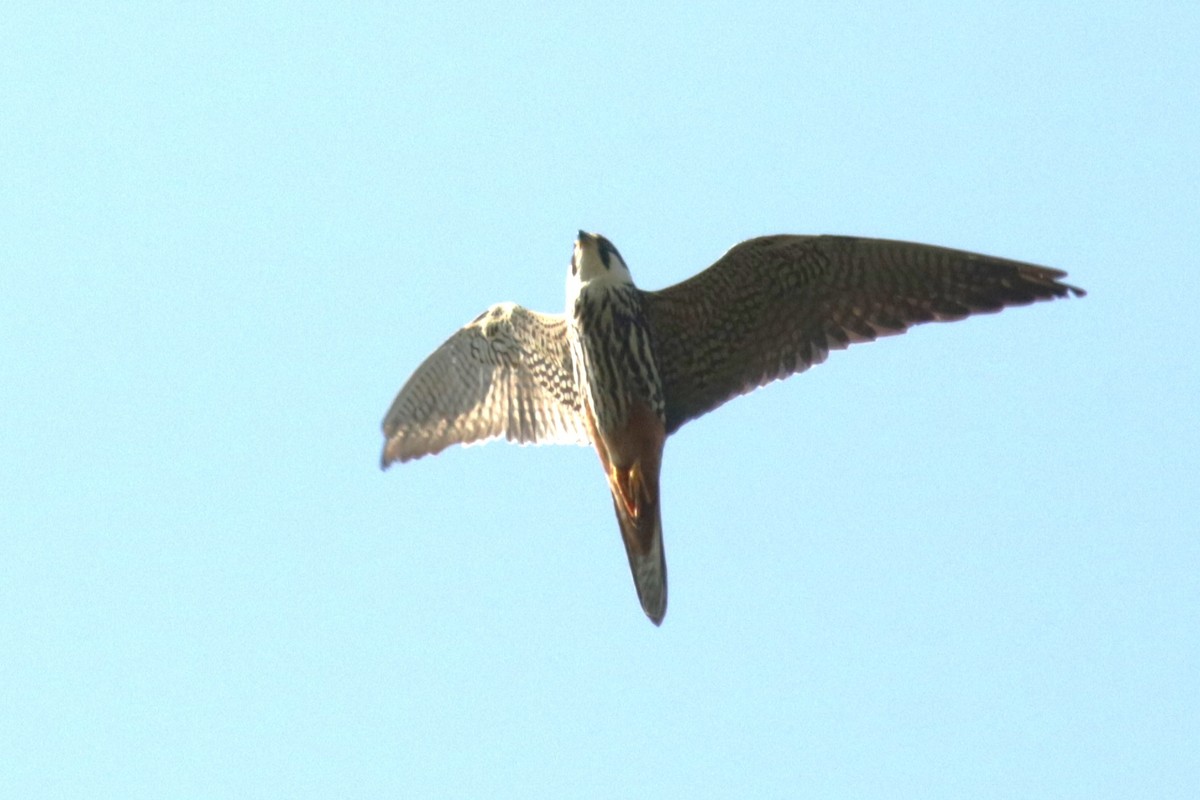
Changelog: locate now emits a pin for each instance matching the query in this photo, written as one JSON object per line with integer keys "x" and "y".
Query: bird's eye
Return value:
{"x": 607, "y": 251}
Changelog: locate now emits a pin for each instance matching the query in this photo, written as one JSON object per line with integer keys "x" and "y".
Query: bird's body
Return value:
{"x": 623, "y": 406}
{"x": 622, "y": 369}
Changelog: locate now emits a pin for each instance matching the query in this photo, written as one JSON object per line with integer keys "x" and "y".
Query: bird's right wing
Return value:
{"x": 507, "y": 373}
{"x": 776, "y": 305}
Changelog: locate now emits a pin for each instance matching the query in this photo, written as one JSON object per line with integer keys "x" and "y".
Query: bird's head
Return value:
{"x": 595, "y": 262}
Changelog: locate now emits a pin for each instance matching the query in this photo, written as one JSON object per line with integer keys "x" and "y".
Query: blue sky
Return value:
{"x": 962, "y": 562}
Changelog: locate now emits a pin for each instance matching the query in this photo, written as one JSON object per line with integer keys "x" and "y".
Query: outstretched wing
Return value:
{"x": 507, "y": 373}
{"x": 776, "y": 305}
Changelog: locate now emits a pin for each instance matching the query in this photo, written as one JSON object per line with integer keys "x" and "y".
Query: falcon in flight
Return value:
{"x": 622, "y": 369}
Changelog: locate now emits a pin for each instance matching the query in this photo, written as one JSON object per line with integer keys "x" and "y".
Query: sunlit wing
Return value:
{"x": 506, "y": 374}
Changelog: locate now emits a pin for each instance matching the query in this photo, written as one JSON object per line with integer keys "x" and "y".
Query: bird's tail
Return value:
{"x": 641, "y": 531}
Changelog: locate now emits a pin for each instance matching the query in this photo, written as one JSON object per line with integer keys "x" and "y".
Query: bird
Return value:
{"x": 622, "y": 369}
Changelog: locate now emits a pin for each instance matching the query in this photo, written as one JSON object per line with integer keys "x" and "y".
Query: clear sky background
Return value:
{"x": 959, "y": 563}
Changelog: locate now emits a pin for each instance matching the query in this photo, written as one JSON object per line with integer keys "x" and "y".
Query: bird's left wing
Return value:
{"x": 507, "y": 373}
{"x": 776, "y": 305}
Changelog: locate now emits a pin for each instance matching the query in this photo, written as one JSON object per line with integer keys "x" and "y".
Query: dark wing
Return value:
{"x": 508, "y": 373}
{"x": 776, "y": 305}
